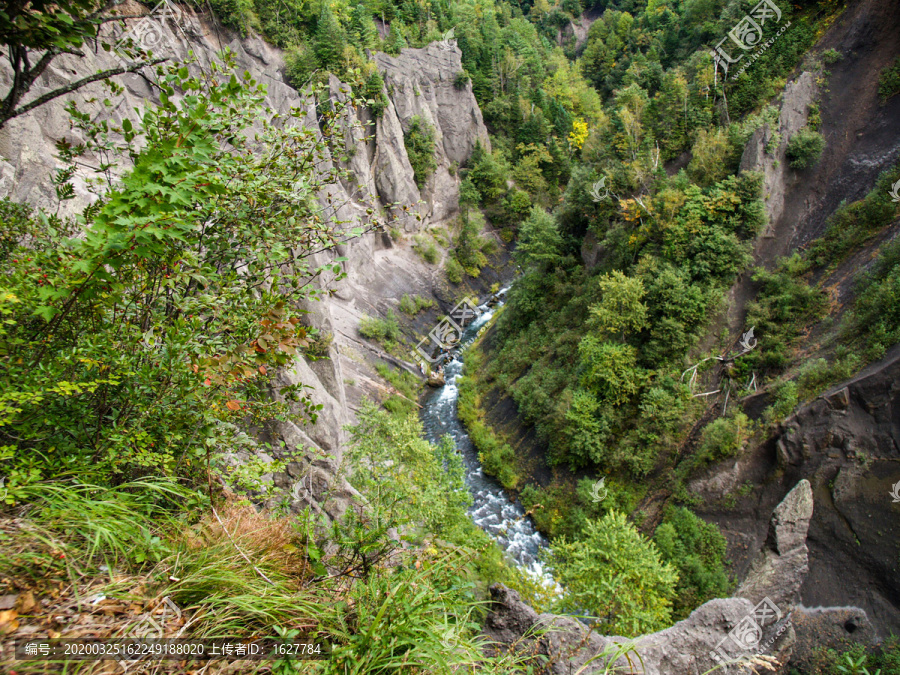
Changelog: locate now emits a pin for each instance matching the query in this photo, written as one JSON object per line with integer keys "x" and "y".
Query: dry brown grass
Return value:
{"x": 265, "y": 540}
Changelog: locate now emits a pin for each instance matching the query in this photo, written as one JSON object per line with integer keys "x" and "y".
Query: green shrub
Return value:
{"x": 419, "y": 142}
{"x": 489, "y": 173}
{"x": 723, "y": 438}
{"x": 404, "y": 382}
{"x": 831, "y": 56}
{"x": 818, "y": 375}
{"x": 454, "y": 270}
{"x": 426, "y": 249}
{"x": 373, "y": 91}
{"x": 472, "y": 248}
{"x": 785, "y": 304}
{"x": 785, "y": 397}
{"x": 461, "y": 80}
{"x": 698, "y": 551}
{"x": 412, "y": 305}
{"x": 385, "y": 331}
{"x": 804, "y": 148}
{"x": 616, "y": 575}
{"x": 889, "y": 81}
{"x": 152, "y": 349}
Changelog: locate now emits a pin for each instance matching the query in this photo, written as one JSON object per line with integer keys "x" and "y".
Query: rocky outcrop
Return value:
{"x": 781, "y": 566}
{"x": 757, "y": 621}
{"x": 847, "y": 442}
{"x": 423, "y": 83}
{"x": 418, "y": 82}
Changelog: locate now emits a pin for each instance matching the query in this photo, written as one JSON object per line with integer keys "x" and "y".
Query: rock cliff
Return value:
{"x": 418, "y": 82}
{"x": 757, "y": 620}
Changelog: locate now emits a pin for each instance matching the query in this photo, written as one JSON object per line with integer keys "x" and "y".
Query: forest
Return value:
{"x": 141, "y": 339}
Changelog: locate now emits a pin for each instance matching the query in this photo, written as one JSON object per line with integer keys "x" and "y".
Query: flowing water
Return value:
{"x": 492, "y": 510}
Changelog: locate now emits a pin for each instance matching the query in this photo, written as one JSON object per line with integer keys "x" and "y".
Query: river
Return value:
{"x": 492, "y": 510}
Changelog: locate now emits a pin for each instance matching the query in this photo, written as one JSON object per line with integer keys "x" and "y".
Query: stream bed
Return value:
{"x": 493, "y": 511}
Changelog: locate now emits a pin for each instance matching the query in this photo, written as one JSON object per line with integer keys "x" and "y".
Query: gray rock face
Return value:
{"x": 817, "y": 629}
{"x": 422, "y": 83}
{"x": 782, "y": 564}
{"x": 847, "y": 442}
{"x": 419, "y": 82}
{"x": 757, "y": 621}
{"x": 777, "y": 174}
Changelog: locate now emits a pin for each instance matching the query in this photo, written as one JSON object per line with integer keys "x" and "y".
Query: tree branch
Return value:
{"x": 49, "y": 96}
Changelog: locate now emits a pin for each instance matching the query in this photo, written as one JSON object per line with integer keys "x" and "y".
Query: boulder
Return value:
{"x": 755, "y": 623}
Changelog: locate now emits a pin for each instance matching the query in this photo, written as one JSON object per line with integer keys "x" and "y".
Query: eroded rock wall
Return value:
{"x": 418, "y": 82}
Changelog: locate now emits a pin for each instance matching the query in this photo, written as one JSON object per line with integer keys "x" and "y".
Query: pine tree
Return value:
{"x": 362, "y": 28}
{"x": 330, "y": 40}
{"x": 396, "y": 40}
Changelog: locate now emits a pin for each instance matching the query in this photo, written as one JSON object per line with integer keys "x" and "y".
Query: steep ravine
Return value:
{"x": 845, "y": 443}
{"x": 493, "y": 510}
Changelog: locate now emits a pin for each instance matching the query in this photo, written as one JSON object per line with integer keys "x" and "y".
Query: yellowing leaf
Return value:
{"x": 8, "y": 623}
{"x": 233, "y": 405}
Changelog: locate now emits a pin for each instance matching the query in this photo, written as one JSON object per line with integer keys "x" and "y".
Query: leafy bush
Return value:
{"x": 412, "y": 305}
{"x": 616, "y": 575}
{"x": 785, "y": 304}
{"x": 875, "y": 318}
{"x": 723, "y": 438}
{"x": 141, "y": 370}
{"x": 889, "y": 81}
{"x": 710, "y": 157}
{"x": 426, "y": 249}
{"x": 385, "y": 331}
{"x": 454, "y": 270}
{"x": 461, "y": 81}
{"x": 471, "y": 247}
{"x": 488, "y": 174}
{"x": 373, "y": 91}
{"x": 785, "y": 397}
{"x": 804, "y": 148}
{"x": 817, "y": 375}
{"x": 697, "y": 550}
{"x": 419, "y": 142}
{"x": 831, "y": 56}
